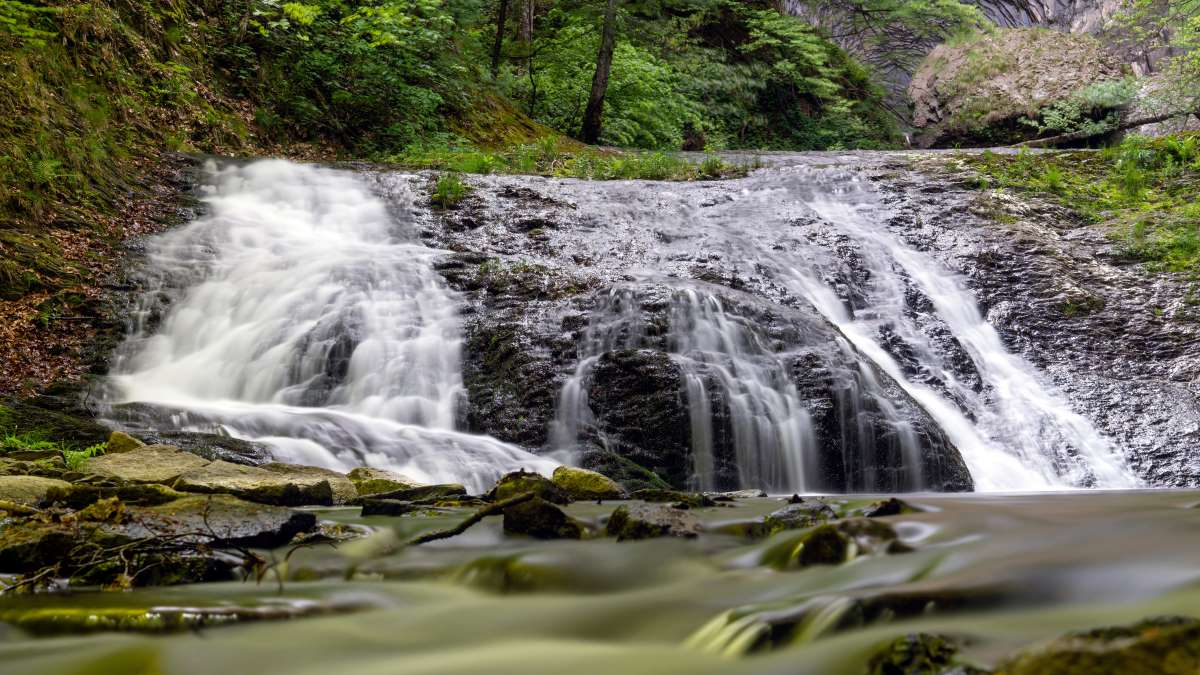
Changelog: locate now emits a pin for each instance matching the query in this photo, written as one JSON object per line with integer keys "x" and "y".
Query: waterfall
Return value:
{"x": 300, "y": 312}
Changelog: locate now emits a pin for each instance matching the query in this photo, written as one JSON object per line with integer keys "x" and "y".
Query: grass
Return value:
{"x": 73, "y": 458}
{"x": 553, "y": 157}
{"x": 449, "y": 191}
{"x": 1142, "y": 191}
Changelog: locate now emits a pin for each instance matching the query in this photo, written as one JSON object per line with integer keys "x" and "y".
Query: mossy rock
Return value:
{"x": 425, "y": 494}
{"x": 50, "y": 425}
{"x": 119, "y": 441}
{"x": 1156, "y": 646}
{"x": 219, "y": 520}
{"x": 804, "y": 514}
{"x": 650, "y": 521}
{"x": 149, "y": 464}
{"x": 585, "y": 485}
{"x": 521, "y": 482}
{"x": 343, "y": 489}
{"x": 31, "y": 491}
{"x": 834, "y": 544}
{"x": 295, "y": 488}
{"x": 540, "y": 519}
{"x": 392, "y": 507}
{"x": 81, "y": 495}
{"x": 27, "y": 546}
{"x": 914, "y": 654}
{"x": 51, "y": 467}
{"x": 887, "y": 507}
{"x": 370, "y": 481}
{"x": 691, "y": 500}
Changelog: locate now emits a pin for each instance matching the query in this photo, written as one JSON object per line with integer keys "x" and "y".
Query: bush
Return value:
{"x": 449, "y": 191}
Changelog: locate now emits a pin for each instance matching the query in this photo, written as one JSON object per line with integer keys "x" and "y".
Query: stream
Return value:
{"x": 832, "y": 324}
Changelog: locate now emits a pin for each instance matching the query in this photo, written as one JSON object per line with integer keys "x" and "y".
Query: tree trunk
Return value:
{"x": 501, "y": 19}
{"x": 593, "y": 115}
{"x": 1081, "y": 135}
{"x": 525, "y": 27}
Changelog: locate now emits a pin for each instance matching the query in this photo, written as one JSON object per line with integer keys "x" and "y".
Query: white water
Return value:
{"x": 1024, "y": 435}
{"x": 310, "y": 320}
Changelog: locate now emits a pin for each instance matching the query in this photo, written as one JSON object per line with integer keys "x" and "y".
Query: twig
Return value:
{"x": 490, "y": 509}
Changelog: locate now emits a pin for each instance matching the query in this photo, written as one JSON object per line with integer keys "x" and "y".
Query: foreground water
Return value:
{"x": 996, "y": 573}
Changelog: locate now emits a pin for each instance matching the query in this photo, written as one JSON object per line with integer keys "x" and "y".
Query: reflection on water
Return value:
{"x": 997, "y": 572}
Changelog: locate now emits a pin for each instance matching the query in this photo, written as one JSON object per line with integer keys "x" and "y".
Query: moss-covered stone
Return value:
{"x": 834, "y": 544}
{"x": 298, "y": 488}
{"x": 805, "y": 513}
{"x": 691, "y": 500}
{"x": 914, "y": 654}
{"x": 29, "y": 490}
{"x": 219, "y": 520}
{"x": 521, "y": 482}
{"x": 542, "y": 520}
{"x": 80, "y": 495}
{"x": 24, "y": 418}
{"x": 649, "y": 521}
{"x": 149, "y": 464}
{"x": 343, "y": 489}
{"x": 119, "y": 441}
{"x": 370, "y": 481}
{"x": 887, "y": 507}
{"x": 582, "y": 484}
{"x": 425, "y": 493}
{"x": 1156, "y": 646}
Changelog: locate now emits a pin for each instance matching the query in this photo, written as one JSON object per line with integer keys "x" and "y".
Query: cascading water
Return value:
{"x": 299, "y": 313}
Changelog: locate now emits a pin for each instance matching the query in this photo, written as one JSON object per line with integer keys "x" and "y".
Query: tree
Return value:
{"x": 498, "y": 45}
{"x": 594, "y": 113}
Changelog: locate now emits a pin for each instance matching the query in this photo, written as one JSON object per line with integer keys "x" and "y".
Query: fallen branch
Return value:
{"x": 489, "y": 510}
{"x": 1088, "y": 133}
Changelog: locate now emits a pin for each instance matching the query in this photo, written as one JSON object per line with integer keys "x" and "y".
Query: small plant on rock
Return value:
{"x": 449, "y": 191}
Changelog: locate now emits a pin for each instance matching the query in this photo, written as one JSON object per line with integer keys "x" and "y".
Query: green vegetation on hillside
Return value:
{"x": 1142, "y": 191}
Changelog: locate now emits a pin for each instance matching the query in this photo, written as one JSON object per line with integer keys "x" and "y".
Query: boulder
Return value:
{"x": 119, "y": 441}
{"x": 218, "y": 520}
{"x": 30, "y": 490}
{"x": 976, "y": 92}
{"x": 295, "y": 488}
{"x": 540, "y": 519}
{"x": 148, "y": 464}
{"x": 390, "y": 507}
{"x": 796, "y": 516}
{"x": 1156, "y": 646}
{"x": 82, "y": 495}
{"x": 915, "y": 654}
{"x": 520, "y": 482}
{"x": 691, "y": 500}
{"x": 587, "y": 485}
{"x": 888, "y": 507}
{"x": 648, "y": 521}
{"x": 834, "y": 544}
{"x": 425, "y": 493}
{"x": 370, "y": 481}
{"x": 343, "y": 488}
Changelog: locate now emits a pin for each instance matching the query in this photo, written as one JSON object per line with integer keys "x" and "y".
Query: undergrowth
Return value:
{"x": 1143, "y": 191}
{"x": 554, "y": 157}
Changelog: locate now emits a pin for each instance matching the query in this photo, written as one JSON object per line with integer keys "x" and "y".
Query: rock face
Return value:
{"x": 975, "y": 93}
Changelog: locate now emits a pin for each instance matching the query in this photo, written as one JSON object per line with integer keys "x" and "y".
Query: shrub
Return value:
{"x": 449, "y": 191}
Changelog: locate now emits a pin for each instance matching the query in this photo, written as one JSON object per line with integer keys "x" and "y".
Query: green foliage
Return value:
{"x": 11, "y": 442}
{"x": 550, "y": 158}
{"x": 74, "y": 458}
{"x": 449, "y": 191}
{"x": 1142, "y": 191}
{"x": 1094, "y": 108}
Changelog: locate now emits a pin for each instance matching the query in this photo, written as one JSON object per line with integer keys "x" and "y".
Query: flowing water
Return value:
{"x": 302, "y": 309}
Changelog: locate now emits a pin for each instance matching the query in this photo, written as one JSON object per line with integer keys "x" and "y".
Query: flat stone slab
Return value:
{"x": 149, "y": 464}
{"x": 257, "y": 484}
{"x": 30, "y": 490}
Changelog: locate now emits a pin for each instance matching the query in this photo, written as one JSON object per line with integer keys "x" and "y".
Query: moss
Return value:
{"x": 822, "y": 545}
{"x": 1157, "y": 646}
{"x": 70, "y": 431}
{"x": 914, "y": 654}
{"x": 540, "y": 519}
{"x": 521, "y": 482}
{"x": 586, "y": 485}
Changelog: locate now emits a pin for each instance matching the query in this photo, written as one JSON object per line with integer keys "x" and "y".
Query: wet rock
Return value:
{"x": 737, "y": 495}
{"x": 390, "y": 507}
{"x": 30, "y": 490}
{"x": 148, "y": 464}
{"x": 293, "y": 488}
{"x": 368, "y": 481}
{"x": 520, "y": 482}
{"x": 218, "y": 446}
{"x": 82, "y": 495}
{"x": 27, "y": 546}
{"x": 119, "y": 441}
{"x": 888, "y": 507}
{"x": 1156, "y": 646}
{"x": 540, "y": 519}
{"x": 585, "y": 485}
{"x": 691, "y": 500}
{"x": 649, "y": 521}
{"x": 51, "y": 467}
{"x": 49, "y": 621}
{"x": 914, "y": 654}
{"x": 219, "y": 520}
{"x": 806, "y": 513}
{"x": 425, "y": 493}
{"x": 834, "y": 544}
{"x": 343, "y": 489}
